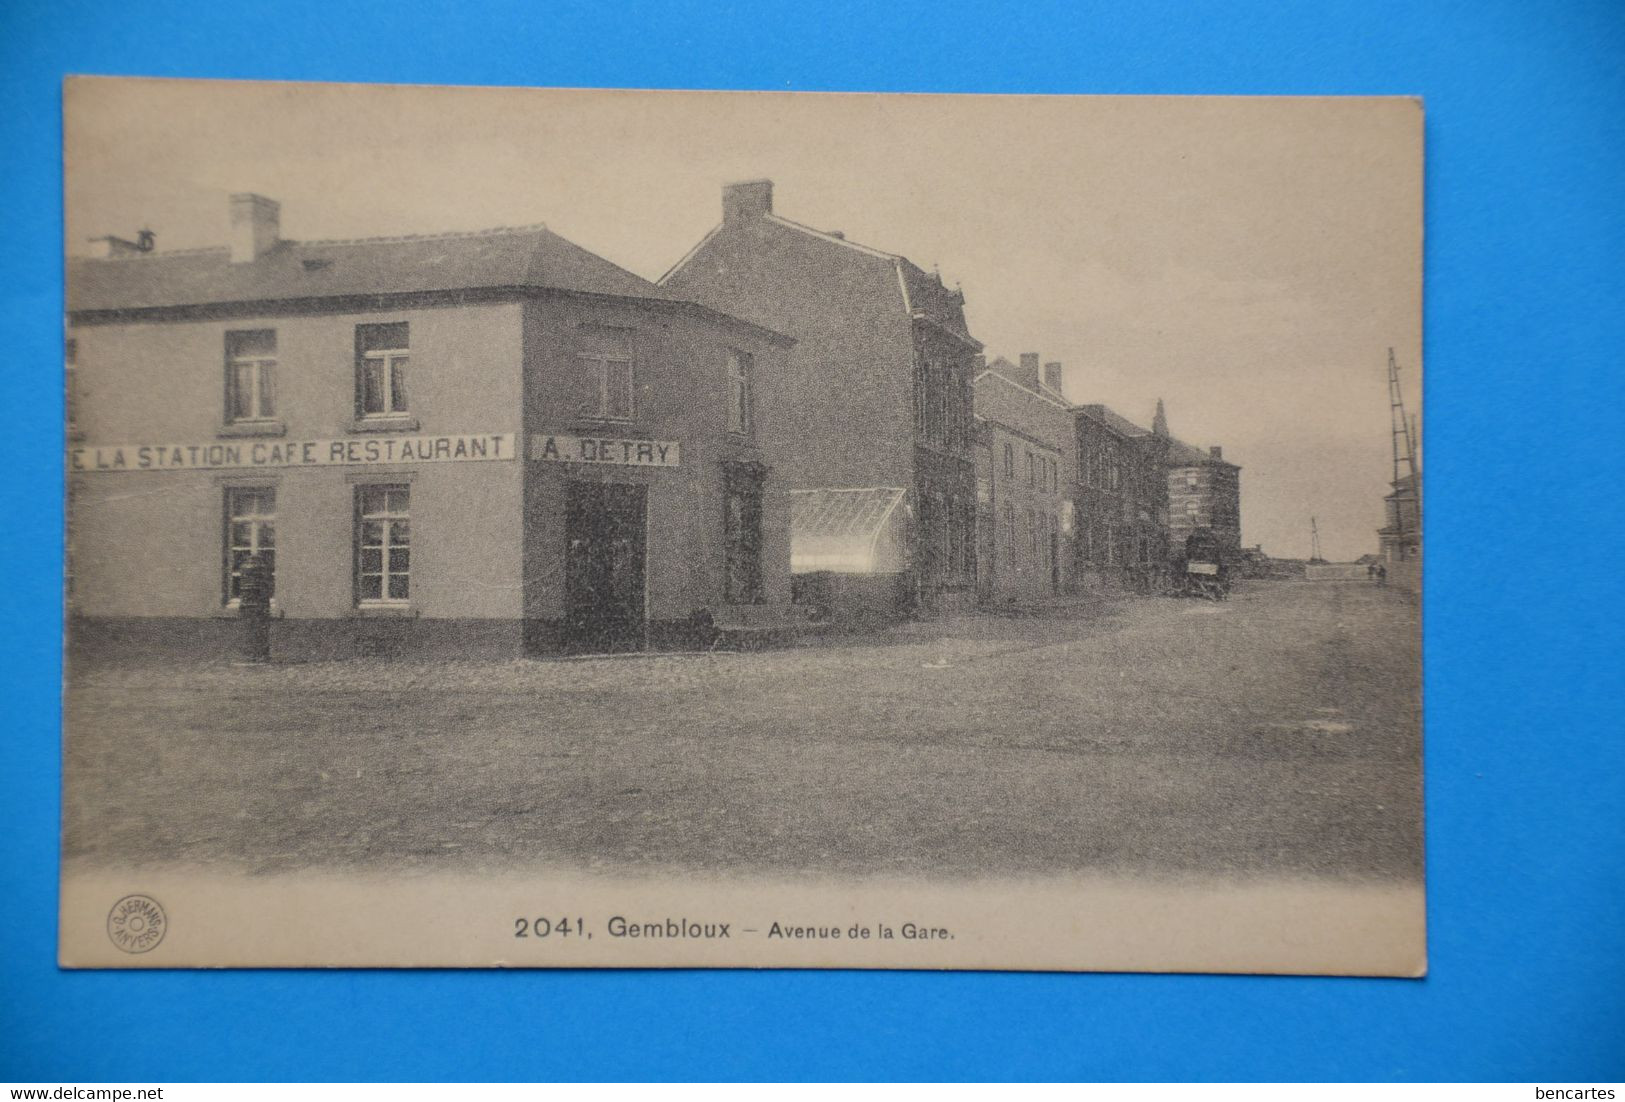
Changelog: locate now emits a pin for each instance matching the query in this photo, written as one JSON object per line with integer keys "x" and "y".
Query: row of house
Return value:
{"x": 500, "y": 442}
{"x": 979, "y": 479}
{"x": 1112, "y": 504}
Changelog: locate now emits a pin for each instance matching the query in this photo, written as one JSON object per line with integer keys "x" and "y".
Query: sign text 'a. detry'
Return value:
{"x": 597, "y": 449}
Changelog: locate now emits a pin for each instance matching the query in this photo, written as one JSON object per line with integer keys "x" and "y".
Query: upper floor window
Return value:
{"x": 383, "y": 354}
{"x": 1032, "y": 469}
{"x": 608, "y": 388}
{"x": 1009, "y": 461}
{"x": 922, "y": 394}
{"x": 741, "y": 393}
{"x": 70, "y": 357}
{"x": 250, "y": 374}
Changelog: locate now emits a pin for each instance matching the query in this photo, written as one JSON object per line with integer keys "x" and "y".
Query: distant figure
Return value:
{"x": 1382, "y": 574}
{"x": 1371, "y": 571}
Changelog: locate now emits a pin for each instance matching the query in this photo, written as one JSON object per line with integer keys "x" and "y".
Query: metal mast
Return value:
{"x": 1403, "y": 433}
{"x": 1314, "y": 541}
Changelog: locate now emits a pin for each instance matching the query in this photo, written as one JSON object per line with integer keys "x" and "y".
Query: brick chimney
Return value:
{"x": 1216, "y": 452}
{"x": 1052, "y": 376}
{"x": 1030, "y": 372}
{"x": 747, "y": 199}
{"x": 256, "y": 226}
{"x": 1159, "y": 423}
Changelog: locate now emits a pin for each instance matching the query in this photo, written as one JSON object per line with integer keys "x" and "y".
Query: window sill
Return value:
{"x": 385, "y": 423}
{"x": 232, "y": 610}
{"x": 252, "y": 428}
{"x": 627, "y": 426}
{"x": 384, "y": 611}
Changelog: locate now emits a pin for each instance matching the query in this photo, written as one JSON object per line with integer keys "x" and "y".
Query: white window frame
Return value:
{"x": 260, "y": 368}
{"x": 389, "y": 519}
{"x": 257, "y": 521}
{"x": 601, "y": 362}
{"x": 386, "y": 358}
{"x": 741, "y": 392}
{"x": 70, "y": 384}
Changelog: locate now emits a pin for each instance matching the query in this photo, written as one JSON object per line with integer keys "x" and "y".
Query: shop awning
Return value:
{"x": 847, "y": 531}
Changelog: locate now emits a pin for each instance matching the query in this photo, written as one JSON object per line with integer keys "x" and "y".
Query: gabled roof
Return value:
{"x": 1113, "y": 420}
{"x": 1181, "y": 454}
{"x": 1006, "y": 372}
{"x": 924, "y": 296}
{"x": 530, "y": 257}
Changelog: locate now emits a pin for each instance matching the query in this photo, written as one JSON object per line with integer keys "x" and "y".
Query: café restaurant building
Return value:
{"x": 477, "y": 443}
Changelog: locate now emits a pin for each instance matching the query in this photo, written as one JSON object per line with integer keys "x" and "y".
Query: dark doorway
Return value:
{"x": 605, "y": 540}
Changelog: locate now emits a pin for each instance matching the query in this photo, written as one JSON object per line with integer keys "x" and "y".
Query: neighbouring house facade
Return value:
{"x": 1025, "y": 472}
{"x": 1122, "y": 499}
{"x": 1204, "y": 492}
{"x": 489, "y": 442}
{"x": 878, "y": 393}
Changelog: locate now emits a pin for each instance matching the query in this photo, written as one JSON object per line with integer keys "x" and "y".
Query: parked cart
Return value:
{"x": 1203, "y": 571}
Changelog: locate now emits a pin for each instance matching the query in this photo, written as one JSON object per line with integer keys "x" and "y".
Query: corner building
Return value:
{"x": 1204, "y": 494}
{"x": 483, "y": 443}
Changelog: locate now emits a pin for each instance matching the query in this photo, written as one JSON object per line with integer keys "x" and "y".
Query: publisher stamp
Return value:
{"x": 136, "y": 924}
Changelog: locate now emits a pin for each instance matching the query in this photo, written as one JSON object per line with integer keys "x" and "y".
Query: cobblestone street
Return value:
{"x": 1275, "y": 733}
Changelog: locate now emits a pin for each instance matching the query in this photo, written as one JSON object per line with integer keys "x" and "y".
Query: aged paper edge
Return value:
{"x": 367, "y": 920}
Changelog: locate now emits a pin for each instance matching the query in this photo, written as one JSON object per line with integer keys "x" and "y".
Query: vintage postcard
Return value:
{"x": 546, "y": 528}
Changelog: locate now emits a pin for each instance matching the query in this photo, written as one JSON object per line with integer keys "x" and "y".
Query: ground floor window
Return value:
{"x": 1010, "y": 531}
{"x": 941, "y": 564}
{"x": 250, "y": 530}
{"x": 967, "y": 537}
{"x": 742, "y": 532}
{"x": 958, "y": 557}
{"x": 383, "y": 544}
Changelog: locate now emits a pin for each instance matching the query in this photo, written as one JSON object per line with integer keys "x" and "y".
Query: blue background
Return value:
{"x": 1526, "y": 745}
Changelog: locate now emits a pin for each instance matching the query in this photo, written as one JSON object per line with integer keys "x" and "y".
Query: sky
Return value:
{"x": 1248, "y": 260}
